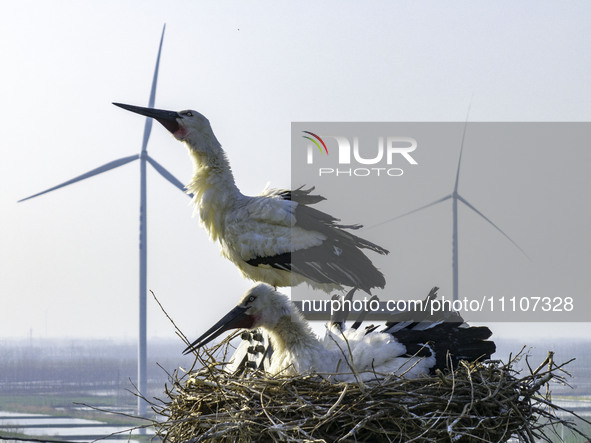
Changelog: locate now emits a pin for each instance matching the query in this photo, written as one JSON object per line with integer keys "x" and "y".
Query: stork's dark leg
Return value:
{"x": 363, "y": 314}
{"x": 339, "y": 318}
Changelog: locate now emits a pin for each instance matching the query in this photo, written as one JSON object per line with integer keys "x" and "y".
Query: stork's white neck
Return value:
{"x": 291, "y": 333}
{"x": 213, "y": 187}
{"x": 295, "y": 346}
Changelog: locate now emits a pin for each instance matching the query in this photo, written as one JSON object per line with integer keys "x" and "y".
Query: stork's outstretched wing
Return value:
{"x": 287, "y": 234}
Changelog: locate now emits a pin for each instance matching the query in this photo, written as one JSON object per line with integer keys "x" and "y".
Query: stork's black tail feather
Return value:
{"x": 451, "y": 342}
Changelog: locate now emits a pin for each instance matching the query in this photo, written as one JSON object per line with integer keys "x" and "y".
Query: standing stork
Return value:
{"x": 407, "y": 347}
{"x": 275, "y": 237}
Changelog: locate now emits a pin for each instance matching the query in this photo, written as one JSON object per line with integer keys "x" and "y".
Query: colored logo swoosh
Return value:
{"x": 316, "y": 142}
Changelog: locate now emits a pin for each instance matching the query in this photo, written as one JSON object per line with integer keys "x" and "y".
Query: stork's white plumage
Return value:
{"x": 405, "y": 348}
{"x": 276, "y": 237}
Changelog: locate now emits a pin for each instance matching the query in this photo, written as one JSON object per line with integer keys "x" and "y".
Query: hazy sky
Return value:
{"x": 69, "y": 259}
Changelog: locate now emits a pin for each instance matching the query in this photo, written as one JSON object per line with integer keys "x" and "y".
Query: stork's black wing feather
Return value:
{"x": 314, "y": 220}
{"x": 348, "y": 267}
{"x": 338, "y": 260}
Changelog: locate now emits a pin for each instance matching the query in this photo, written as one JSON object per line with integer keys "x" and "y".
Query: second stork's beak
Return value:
{"x": 235, "y": 319}
{"x": 168, "y": 119}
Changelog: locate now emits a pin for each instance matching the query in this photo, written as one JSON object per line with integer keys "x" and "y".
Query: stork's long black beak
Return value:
{"x": 168, "y": 119}
{"x": 235, "y": 319}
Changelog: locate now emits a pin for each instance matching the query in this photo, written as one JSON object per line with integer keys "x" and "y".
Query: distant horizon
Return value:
{"x": 500, "y": 330}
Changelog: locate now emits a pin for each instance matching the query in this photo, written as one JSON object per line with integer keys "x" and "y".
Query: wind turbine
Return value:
{"x": 455, "y": 196}
{"x": 143, "y": 158}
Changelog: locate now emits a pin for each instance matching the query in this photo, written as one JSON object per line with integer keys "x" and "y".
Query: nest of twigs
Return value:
{"x": 485, "y": 401}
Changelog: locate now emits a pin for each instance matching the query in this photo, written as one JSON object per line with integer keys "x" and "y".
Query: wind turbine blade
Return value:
{"x": 490, "y": 221}
{"x": 413, "y": 211}
{"x": 149, "y": 120}
{"x": 167, "y": 175}
{"x": 462, "y": 148}
{"x": 104, "y": 168}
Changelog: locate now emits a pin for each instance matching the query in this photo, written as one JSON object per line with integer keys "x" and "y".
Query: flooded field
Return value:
{"x": 78, "y": 391}
{"x": 67, "y": 428}
{"x": 61, "y": 390}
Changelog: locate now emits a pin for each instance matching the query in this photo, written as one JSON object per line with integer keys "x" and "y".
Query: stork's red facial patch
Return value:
{"x": 180, "y": 132}
{"x": 244, "y": 322}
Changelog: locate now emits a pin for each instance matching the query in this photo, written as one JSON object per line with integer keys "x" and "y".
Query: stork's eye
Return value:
{"x": 188, "y": 113}
{"x": 251, "y": 298}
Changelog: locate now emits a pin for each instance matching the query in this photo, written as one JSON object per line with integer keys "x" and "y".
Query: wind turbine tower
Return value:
{"x": 144, "y": 158}
{"x": 455, "y": 197}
